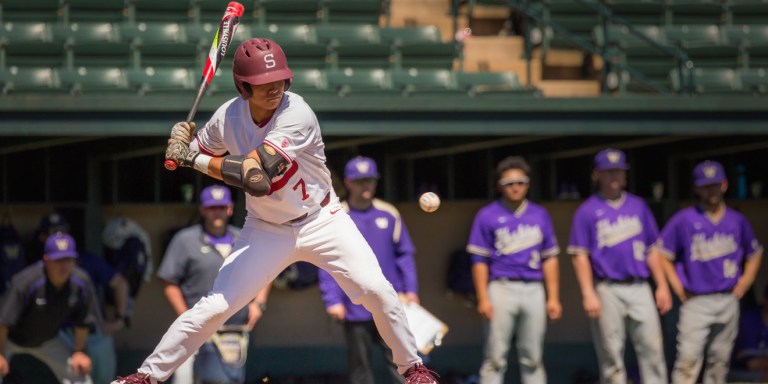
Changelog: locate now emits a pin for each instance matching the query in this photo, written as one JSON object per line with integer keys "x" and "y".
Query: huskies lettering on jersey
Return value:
{"x": 610, "y": 234}
{"x": 703, "y": 249}
{"x": 525, "y": 236}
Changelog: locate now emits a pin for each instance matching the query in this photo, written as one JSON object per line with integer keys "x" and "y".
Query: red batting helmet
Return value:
{"x": 259, "y": 61}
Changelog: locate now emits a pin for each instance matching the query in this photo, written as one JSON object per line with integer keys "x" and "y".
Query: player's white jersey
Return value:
{"x": 294, "y": 133}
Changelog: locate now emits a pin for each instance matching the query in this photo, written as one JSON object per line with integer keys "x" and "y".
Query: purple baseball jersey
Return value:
{"x": 385, "y": 232}
{"x": 708, "y": 254}
{"x": 512, "y": 243}
{"x": 615, "y": 236}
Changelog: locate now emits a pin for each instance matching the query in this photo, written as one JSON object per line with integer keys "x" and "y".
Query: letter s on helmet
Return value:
{"x": 259, "y": 61}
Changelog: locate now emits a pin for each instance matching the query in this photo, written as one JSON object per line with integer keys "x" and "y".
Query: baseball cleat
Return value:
{"x": 419, "y": 374}
{"x": 136, "y": 378}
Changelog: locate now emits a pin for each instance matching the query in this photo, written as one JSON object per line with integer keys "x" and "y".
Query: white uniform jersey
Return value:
{"x": 294, "y": 133}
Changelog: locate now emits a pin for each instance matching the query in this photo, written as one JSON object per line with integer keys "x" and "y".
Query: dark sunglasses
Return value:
{"x": 506, "y": 182}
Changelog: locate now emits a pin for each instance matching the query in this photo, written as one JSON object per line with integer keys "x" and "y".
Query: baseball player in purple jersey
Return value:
{"x": 513, "y": 248}
{"x": 705, "y": 247}
{"x": 611, "y": 234}
{"x": 381, "y": 225}
{"x": 268, "y": 143}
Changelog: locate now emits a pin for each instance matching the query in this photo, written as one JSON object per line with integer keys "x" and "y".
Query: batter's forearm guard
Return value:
{"x": 244, "y": 173}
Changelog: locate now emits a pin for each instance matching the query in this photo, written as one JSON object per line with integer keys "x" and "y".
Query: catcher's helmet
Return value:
{"x": 259, "y": 61}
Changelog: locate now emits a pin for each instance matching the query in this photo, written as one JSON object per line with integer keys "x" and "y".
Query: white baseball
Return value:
{"x": 429, "y": 202}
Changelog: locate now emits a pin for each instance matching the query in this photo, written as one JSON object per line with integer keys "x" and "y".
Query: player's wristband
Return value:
{"x": 201, "y": 163}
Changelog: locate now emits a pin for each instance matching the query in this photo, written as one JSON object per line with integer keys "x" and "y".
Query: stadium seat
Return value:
{"x": 488, "y": 83}
{"x": 414, "y": 81}
{"x": 151, "y": 80}
{"x": 94, "y": 10}
{"x": 310, "y": 81}
{"x": 91, "y": 44}
{"x": 30, "y": 10}
{"x": 695, "y": 11}
{"x": 359, "y": 81}
{"x": 288, "y": 11}
{"x": 94, "y": 79}
{"x": 755, "y": 79}
{"x": 160, "y": 44}
{"x": 30, "y": 44}
{"x": 753, "y": 42}
{"x": 638, "y": 11}
{"x": 420, "y": 47}
{"x": 704, "y": 44}
{"x": 575, "y": 17}
{"x": 178, "y": 11}
{"x": 749, "y": 11}
{"x": 22, "y": 79}
{"x": 354, "y": 45}
{"x": 710, "y": 81}
{"x": 352, "y": 11}
{"x": 298, "y": 41}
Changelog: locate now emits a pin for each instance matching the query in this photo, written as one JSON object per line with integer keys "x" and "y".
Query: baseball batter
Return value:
{"x": 705, "y": 247}
{"x": 276, "y": 155}
{"x": 514, "y": 249}
{"x": 611, "y": 233}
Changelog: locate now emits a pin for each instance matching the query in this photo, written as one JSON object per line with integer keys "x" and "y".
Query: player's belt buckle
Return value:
{"x": 323, "y": 203}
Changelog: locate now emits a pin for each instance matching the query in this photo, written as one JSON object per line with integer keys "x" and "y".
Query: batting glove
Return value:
{"x": 180, "y": 153}
{"x": 182, "y": 131}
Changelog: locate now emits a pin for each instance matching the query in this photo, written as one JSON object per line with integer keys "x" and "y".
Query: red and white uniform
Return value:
{"x": 272, "y": 237}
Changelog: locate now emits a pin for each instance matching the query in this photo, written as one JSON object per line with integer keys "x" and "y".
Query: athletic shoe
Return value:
{"x": 136, "y": 378}
{"x": 419, "y": 374}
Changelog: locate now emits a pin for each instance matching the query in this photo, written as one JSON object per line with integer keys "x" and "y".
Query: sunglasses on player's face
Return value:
{"x": 518, "y": 182}
{"x": 365, "y": 180}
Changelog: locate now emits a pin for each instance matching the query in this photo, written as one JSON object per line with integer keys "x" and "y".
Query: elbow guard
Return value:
{"x": 245, "y": 173}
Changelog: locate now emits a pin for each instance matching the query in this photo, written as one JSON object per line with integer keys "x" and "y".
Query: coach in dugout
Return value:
{"x": 42, "y": 299}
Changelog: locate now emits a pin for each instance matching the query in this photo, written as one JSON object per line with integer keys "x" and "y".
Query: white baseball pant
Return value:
{"x": 328, "y": 240}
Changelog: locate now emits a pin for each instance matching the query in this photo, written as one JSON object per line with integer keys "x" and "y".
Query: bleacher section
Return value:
{"x": 143, "y": 46}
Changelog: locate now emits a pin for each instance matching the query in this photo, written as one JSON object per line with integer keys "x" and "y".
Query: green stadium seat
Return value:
{"x": 415, "y": 81}
{"x": 94, "y": 79}
{"x": 160, "y": 44}
{"x": 755, "y": 79}
{"x": 710, "y": 81}
{"x": 638, "y": 11}
{"x": 354, "y": 45}
{"x": 30, "y": 10}
{"x": 25, "y": 79}
{"x": 629, "y": 44}
{"x": 359, "y": 81}
{"x": 749, "y": 11}
{"x": 310, "y": 81}
{"x": 288, "y": 11}
{"x": 91, "y": 44}
{"x": 695, "y": 11}
{"x": 420, "y": 47}
{"x": 30, "y": 44}
{"x": 298, "y": 41}
{"x": 94, "y": 10}
{"x": 178, "y": 11}
{"x": 489, "y": 83}
{"x": 575, "y": 17}
{"x": 753, "y": 41}
{"x": 704, "y": 44}
{"x": 352, "y": 11}
{"x": 152, "y": 80}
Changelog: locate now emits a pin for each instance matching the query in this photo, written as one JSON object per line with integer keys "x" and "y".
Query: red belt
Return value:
{"x": 323, "y": 203}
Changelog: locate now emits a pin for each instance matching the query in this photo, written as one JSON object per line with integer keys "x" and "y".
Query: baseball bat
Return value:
{"x": 221, "y": 42}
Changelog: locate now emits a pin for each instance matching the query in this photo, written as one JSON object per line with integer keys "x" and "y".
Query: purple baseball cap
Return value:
{"x": 59, "y": 246}
{"x": 215, "y": 196}
{"x": 611, "y": 158}
{"x": 708, "y": 172}
{"x": 361, "y": 168}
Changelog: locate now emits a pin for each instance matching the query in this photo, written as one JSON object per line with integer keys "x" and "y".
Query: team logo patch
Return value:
{"x": 217, "y": 193}
{"x": 362, "y": 167}
{"x": 62, "y": 244}
{"x": 255, "y": 178}
{"x": 270, "y": 150}
{"x": 710, "y": 172}
{"x": 382, "y": 222}
{"x": 614, "y": 157}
